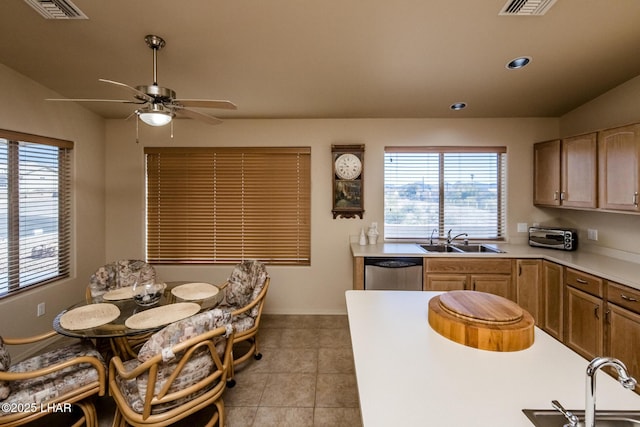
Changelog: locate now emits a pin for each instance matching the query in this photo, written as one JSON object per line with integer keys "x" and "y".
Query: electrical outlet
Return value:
{"x": 523, "y": 227}
{"x": 592, "y": 234}
{"x": 41, "y": 309}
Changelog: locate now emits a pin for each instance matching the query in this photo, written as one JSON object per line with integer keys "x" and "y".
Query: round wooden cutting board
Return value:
{"x": 481, "y": 320}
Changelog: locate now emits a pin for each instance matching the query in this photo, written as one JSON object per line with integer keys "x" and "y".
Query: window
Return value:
{"x": 223, "y": 205}
{"x": 444, "y": 188}
{"x": 35, "y": 210}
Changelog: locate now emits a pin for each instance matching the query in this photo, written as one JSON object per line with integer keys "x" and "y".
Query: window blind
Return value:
{"x": 223, "y": 205}
{"x": 444, "y": 188}
{"x": 35, "y": 210}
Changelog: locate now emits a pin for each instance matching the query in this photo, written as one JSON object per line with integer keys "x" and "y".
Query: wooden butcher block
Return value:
{"x": 481, "y": 320}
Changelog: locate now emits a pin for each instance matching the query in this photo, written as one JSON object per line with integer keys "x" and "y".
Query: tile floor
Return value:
{"x": 305, "y": 378}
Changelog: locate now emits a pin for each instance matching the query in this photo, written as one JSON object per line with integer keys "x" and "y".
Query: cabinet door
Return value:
{"x": 497, "y": 284}
{"x": 624, "y": 338}
{"x": 619, "y": 160}
{"x": 546, "y": 173}
{"x": 584, "y": 324}
{"x": 445, "y": 282}
{"x": 528, "y": 295}
{"x": 552, "y": 285}
{"x": 579, "y": 171}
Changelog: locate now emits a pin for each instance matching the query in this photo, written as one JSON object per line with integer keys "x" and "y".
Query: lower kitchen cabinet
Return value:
{"x": 552, "y": 301}
{"x": 478, "y": 274}
{"x": 584, "y": 323}
{"x": 528, "y": 292}
{"x": 445, "y": 282}
{"x": 623, "y": 327}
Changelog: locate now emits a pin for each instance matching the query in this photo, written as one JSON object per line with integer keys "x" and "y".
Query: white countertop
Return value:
{"x": 617, "y": 270}
{"x": 409, "y": 375}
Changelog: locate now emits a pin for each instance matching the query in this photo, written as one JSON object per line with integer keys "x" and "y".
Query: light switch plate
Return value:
{"x": 523, "y": 227}
{"x": 592, "y": 234}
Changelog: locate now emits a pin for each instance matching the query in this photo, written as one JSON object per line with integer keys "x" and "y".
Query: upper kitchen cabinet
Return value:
{"x": 546, "y": 173}
{"x": 565, "y": 172}
{"x": 619, "y": 160}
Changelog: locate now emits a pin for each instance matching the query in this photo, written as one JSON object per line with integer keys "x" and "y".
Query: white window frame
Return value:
{"x": 425, "y": 188}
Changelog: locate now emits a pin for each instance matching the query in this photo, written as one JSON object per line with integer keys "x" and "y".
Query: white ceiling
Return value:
{"x": 333, "y": 58}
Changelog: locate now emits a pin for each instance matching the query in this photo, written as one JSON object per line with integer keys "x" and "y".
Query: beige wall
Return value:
{"x": 320, "y": 287}
{"x": 23, "y": 109}
{"x": 616, "y": 232}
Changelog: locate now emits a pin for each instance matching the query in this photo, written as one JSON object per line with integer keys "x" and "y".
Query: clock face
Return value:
{"x": 348, "y": 166}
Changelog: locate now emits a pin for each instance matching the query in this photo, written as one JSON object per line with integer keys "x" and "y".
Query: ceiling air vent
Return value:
{"x": 57, "y": 9}
{"x": 527, "y": 7}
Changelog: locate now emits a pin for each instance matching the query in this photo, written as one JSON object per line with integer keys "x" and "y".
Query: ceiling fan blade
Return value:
{"x": 121, "y": 101}
{"x": 197, "y": 115}
{"x": 206, "y": 103}
{"x": 138, "y": 94}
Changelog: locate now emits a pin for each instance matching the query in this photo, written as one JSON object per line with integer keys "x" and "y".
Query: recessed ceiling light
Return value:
{"x": 458, "y": 106}
{"x": 519, "y": 62}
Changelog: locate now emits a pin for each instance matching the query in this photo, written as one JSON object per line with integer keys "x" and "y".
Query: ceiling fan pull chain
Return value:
{"x": 171, "y": 129}
{"x": 137, "y": 126}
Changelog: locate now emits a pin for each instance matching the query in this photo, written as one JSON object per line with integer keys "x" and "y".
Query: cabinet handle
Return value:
{"x": 626, "y": 298}
{"x": 595, "y": 311}
{"x": 635, "y": 199}
{"x": 562, "y": 193}
{"x": 555, "y": 195}
{"x": 606, "y": 317}
{"x": 582, "y": 281}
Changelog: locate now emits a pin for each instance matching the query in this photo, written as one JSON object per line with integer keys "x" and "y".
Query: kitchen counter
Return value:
{"x": 614, "y": 269}
{"x": 409, "y": 375}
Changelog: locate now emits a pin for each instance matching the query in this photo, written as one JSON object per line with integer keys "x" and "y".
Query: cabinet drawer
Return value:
{"x": 624, "y": 296}
{"x": 469, "y": 265}
{"x": 586, "y": 282}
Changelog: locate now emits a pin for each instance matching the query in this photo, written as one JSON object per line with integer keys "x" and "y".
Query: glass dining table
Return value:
{"x": 121, "y": 321}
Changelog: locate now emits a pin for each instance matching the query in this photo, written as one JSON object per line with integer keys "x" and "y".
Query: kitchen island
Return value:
{"x": 409, "y": 375}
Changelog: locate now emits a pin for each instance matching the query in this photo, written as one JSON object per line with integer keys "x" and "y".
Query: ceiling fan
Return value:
{"x": 159, "y": 105}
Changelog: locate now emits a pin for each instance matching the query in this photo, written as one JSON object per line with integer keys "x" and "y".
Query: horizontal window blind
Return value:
{"x": 35, "y": 210}
{"x": 224, "y": 205}
{"x": 444, "y": 188}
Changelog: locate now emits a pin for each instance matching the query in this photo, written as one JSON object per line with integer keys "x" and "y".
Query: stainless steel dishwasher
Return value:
{"x": 397, "y": 273}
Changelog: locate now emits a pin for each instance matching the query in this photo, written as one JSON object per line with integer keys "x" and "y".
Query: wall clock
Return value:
{"x": 348, "y": 183}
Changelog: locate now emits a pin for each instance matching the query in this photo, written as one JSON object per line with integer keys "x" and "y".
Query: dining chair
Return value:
{"x": 70, "y": 375}
{"x": 119, "y": 274}
{"x": 244, "y": 294}
{"x": 180, "y": 370}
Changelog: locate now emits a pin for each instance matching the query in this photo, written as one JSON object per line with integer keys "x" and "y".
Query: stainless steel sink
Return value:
{"x": 441, "y": 248}
{"x": 552, "y": 418}
{"x": 478, "y": 248}
{"x": 454, "y": 248}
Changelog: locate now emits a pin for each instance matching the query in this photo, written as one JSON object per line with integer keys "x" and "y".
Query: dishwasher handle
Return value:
{"x": 394, "y": 262}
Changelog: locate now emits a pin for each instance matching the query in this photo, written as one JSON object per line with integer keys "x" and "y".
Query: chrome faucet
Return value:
{"x": 451, "y": 239}
{"x": 435, "y": 230}
{"x": 627, "y": 382}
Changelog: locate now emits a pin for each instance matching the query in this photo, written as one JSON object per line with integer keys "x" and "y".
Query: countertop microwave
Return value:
{"x": 565, "y": 239}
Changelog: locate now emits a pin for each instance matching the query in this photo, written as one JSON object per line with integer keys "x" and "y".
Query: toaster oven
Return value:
{"x": 565, "y": 239}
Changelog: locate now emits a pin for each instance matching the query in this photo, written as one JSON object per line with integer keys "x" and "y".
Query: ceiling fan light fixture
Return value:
{"x": 155, "y": 115}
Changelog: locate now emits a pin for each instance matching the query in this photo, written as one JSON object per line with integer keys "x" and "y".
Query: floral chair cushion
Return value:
{"x": 48, "y": 387}
{"x": 245, "y": 284}
{"x": 196, "y": 369}
{"x": 120, "y": 274}
{"x": 5, "y": 364}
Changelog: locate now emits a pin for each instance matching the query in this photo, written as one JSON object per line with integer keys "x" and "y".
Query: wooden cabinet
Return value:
{"x": 546, "y": 173}
{"x": 619, "y": 168}
{"x": 579, "y": 188}
{"x": 480, "y": 274}
{"x": 623, "y": 327}
{"x": 552, "y": 282}
{"x": 528, "y": 292}
{"x": 584, "y": 314}
{"x": 565, "y": 172}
